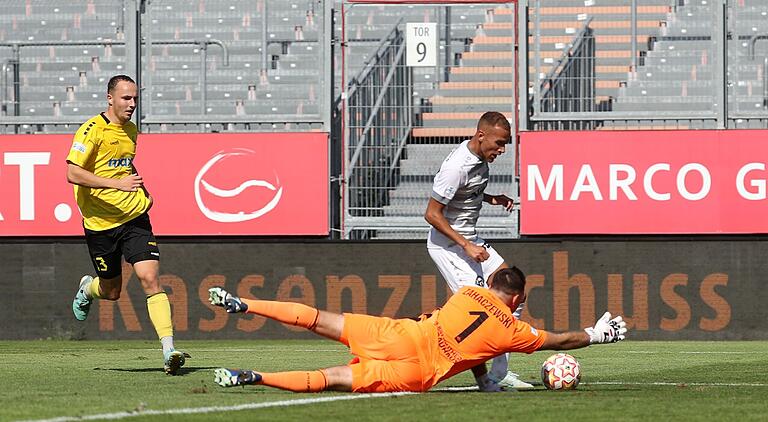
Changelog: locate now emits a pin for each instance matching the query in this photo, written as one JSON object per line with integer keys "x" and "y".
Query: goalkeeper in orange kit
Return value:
{"x": 474, "y": 325}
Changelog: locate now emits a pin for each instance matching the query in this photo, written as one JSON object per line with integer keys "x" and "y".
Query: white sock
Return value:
{"x": 167, "y": 343}
{"x": 87, "y": 290}
{"x": 499, "y": 367}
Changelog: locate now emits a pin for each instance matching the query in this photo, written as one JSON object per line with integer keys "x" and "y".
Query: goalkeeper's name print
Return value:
{"x": 502, "y": 315}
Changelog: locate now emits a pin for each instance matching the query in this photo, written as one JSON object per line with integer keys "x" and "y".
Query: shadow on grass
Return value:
{"x": 183, "y": 371}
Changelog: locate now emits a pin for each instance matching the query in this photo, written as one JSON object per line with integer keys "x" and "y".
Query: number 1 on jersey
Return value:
{"x": 481, "y": 317}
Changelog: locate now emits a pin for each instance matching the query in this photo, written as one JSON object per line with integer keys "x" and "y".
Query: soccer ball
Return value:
{"x": 561, "y": 372}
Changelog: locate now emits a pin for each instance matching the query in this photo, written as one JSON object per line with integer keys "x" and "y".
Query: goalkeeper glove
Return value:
{"x": 607, "y": 330}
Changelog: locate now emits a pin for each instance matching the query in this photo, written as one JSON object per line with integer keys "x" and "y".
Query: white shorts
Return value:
{"x": 459, "y": 270}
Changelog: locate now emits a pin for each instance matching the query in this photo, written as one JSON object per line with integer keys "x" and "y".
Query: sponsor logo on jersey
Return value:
{"x": 77, "y": 146}
{"x": 120, "y": 162}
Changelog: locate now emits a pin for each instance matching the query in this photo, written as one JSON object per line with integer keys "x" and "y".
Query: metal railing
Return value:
{"x": 752, "y": 44}
{"x": 15, "y": 62}
{"x": 203, "y": 46}
{"x": 378, "y": 122}
{"x": 569, "y": 86}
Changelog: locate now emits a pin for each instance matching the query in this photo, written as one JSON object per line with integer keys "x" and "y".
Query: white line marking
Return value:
{"x": 649, "y": 352}
{"x": 298, "y": 402}
{"x": 466, "y": 388}
{"x": 210, "y": 409}
{"x": 696, "y": 384}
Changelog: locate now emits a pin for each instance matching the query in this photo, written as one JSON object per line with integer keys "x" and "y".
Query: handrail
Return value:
{"x": 374, "y": 111}
{"x": 5, "y": 85}
{"x": 16, "y": 46}
{"x": 186, "y": 119}
{"x": 378, "y": 103}
{"x": 117, "y": 42}
{"x": 563, "y": 60}
{"x": 369, "y": 64}
{"x": 765, "y": 83}
{"x": 752, "y": 42}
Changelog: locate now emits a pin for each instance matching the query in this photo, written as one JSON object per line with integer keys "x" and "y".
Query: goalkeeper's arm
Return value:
{"x": 605, "y": 330}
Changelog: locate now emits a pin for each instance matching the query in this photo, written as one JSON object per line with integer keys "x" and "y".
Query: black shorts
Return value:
{"x": 133, "y": 240}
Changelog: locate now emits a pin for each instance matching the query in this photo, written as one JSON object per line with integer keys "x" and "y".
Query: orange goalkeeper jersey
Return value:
{"x": 472, "y": 327}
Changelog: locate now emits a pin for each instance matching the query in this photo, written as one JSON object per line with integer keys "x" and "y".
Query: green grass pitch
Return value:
{"x": 65, "y": 380}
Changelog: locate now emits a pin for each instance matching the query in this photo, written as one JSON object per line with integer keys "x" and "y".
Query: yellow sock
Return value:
{"x": 160, "y": 314}
{"x": 93, "y": 288}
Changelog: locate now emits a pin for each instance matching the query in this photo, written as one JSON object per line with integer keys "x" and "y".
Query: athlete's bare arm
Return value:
{"x": 434, "y": 216}
{"x": 503, "y": 200}
{"x": 82, "y": 177}
{"x": 565, "y": 341}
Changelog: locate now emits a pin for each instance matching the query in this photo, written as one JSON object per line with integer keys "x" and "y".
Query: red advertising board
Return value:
{"x": 644, "y": 182}
{"x": 202, "y": 184}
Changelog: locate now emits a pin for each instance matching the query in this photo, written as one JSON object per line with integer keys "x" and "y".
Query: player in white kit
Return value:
{"x": 463, "y": 258}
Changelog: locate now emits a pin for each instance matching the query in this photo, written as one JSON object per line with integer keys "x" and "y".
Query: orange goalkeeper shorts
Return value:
{"x": 388, "y": 354}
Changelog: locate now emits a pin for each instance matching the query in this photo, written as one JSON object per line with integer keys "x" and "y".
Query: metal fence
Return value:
{"x": 402, "y": 121}
{"x": 204, "y": 66}
{"x": 659, "y": 64}
{"x": 378, "y": 126}
{"x": 570, "y": 83}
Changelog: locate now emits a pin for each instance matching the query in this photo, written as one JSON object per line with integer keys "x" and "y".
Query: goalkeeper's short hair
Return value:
{"x": 509, "y": 280}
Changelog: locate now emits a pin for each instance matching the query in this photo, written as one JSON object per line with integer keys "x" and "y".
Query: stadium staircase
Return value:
{"x": 483, "y": 79}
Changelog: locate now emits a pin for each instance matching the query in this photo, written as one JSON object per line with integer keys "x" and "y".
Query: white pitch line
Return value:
{"x": 298, "y": 402}
{"x": 210, "y": 409}
{"x": 695, "y": 384}
{"x": 652, "y": 352}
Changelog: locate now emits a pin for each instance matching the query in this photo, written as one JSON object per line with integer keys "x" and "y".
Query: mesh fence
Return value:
{"x": 656, "y": 64}
{"x": 402, "y": 121}
{"x": 230, "y": 65}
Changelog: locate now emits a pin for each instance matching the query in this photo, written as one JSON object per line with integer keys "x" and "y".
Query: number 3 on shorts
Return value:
{"x": 101, "y": 263}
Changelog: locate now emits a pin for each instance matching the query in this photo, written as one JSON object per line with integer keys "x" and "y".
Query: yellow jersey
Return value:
{"x": 106, "y": 149}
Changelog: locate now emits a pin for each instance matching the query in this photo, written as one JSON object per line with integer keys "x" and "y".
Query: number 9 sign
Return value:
{"x": 421, "y": 44}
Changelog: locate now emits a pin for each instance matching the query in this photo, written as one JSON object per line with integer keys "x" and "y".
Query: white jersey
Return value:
{"x": 459, "y": 185}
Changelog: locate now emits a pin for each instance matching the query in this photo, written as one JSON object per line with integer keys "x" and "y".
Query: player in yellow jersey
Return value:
{"x": 114, "y": 204}
{"x": 476, "y": 324}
